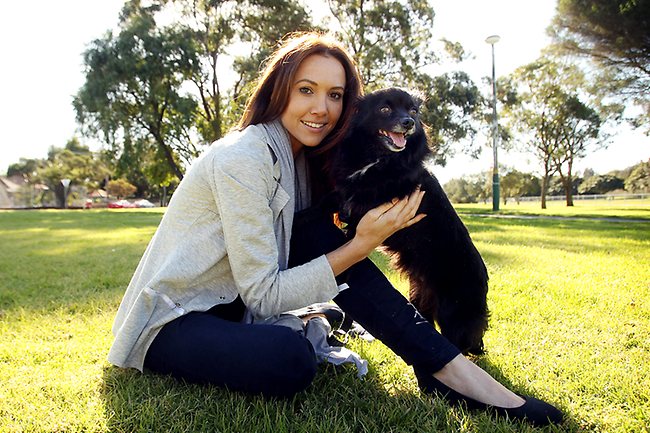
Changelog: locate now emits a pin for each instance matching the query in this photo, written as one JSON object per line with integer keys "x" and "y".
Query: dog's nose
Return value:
{"x": 407, "y": 122}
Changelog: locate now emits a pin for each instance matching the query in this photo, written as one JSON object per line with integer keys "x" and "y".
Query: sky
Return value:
{"x": 42, "y": 41}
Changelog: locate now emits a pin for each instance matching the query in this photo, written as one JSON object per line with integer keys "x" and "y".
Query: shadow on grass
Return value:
{"x": 336, "y": 402}
{"x": 594, "y": 235}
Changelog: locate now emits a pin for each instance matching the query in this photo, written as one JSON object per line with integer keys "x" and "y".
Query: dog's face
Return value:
{"x": 392, "y": 115}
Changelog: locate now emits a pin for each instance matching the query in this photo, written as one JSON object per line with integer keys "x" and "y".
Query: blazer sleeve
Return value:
{"x": 246, "y": 193}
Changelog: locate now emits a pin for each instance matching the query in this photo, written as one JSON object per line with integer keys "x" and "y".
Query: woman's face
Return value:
{"x": 315, "y": 101}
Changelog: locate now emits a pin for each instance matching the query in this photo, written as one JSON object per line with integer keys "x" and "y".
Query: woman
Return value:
{"x": 227, "y": 253}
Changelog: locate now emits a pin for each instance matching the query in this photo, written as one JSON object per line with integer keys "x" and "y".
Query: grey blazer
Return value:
{"x": 219, "y": 238}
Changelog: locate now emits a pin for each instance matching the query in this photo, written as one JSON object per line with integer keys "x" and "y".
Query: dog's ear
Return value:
{"x": 418, "y": 97}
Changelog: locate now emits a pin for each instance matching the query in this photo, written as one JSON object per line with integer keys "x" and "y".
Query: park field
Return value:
{"x": 570, "y": 323}
{"x": 613, "y": 208}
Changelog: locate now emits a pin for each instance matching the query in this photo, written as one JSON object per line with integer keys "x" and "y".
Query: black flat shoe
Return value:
{"x": 534, "y": 411}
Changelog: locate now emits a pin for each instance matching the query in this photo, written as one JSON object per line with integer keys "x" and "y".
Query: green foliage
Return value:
{"x": 391, "y": 42}
{"x": 451, "y": 106}
{"x": 600, "y": 184}
{"x": 614, "y": 35}
{"x": 516, "y": 184}
{"x": 153, "y": 91}
{"x": 549, "y": 111}
{"x": 120, "y": 188}
{"x": 470, "y": 189}
{"x": 639, "y": 179}
{"x": 458, "y": 191}
{"x": 389, "y": 39}
{"x": 570, "y": 324}
{"x": 224, "y": 27}
{"x": 74, "y": 162}
{"x": 478, "y": 188}
{"x": 25, "y": 167}
{"x": 132, "y": 89}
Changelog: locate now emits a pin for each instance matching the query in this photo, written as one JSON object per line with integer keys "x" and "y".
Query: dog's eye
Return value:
{"x": 385, "y": 110}
{"x": 413, "y": 111}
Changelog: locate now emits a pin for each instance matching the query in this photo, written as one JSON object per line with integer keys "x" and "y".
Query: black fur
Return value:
{"x": 448, "y": 279}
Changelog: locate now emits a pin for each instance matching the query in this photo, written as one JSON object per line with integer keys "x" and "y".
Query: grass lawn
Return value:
{"x": 570, "y": 302}
{"x": 614, "y": 208}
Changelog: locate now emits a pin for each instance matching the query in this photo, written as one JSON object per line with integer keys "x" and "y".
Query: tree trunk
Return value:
{"x": 567, "y": 182}
{"x": 544, "y": 188}
{"x": 568, "y": 190}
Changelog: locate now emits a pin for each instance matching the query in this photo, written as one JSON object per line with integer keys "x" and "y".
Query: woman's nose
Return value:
{"x": 319, "y": 105}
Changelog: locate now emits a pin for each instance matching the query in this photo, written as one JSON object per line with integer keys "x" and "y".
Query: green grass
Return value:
{"x": 615, "y": 208}
{"x": 570, "y": 324}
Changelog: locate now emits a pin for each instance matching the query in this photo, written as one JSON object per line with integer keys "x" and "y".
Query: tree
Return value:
{"x": 75, "y": 163}
{"x": 25, "y": 167}
{"x": 132, "y": 88}
{"x": 515, "y": 184}
{"x": 254, "y": 26}
{"x": 600, "y": 184}
{"x": 452, "y": 103}
{"x": 614, "y": 35}
{"x": 556, "y": 125}
{"x": 152, "y": 91}
{"x": 580, "y": 127}
{"x": 639, "y": 179}
{"x": 469, "y": 189}
{"x": 391, "y": 42}
{"x": 120, "y": 188}
{"x": 459, "y": 191}
{"x": 389, "y": 39}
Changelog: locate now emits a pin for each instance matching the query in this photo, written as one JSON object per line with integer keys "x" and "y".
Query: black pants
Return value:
{"x": 213, "y": 347}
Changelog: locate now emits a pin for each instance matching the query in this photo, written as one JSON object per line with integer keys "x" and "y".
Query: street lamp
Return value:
{"x": 495, "y": 129}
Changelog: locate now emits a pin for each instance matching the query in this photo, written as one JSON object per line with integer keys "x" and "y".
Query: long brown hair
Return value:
{"x": 271, "y": 94}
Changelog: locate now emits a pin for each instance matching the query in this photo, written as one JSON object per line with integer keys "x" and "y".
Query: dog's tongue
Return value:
{"x": 398, "y": 139}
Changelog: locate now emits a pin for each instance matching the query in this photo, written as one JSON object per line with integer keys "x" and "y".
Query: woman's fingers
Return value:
{"x": 384, "y": 220}
{"x": 380, "y": 210}
{"x": 404, "y": 211}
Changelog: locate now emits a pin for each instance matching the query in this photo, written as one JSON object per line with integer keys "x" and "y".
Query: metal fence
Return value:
{"x": 577, "y": 197}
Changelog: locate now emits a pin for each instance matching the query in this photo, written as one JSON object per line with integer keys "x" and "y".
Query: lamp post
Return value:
{"x": 495, "y": 129}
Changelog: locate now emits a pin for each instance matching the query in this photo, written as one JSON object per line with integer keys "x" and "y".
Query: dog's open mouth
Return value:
{"x": 394, "y": 141}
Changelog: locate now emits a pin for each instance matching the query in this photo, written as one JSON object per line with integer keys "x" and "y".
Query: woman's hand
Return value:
{"x": 374, "y": 228}
{"x": 380, "y": 223}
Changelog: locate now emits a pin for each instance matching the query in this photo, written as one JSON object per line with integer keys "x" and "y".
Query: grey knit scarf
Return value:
{"x": 294, "y": 179}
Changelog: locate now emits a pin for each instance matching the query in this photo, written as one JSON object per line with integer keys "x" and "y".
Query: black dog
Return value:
{"x": 383, "y": 157}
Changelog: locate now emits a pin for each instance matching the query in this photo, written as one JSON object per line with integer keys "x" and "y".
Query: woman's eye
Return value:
{"x": 336, "y": 95}
{"x": 305, "y": 90}
{"x": 384, "y": 110}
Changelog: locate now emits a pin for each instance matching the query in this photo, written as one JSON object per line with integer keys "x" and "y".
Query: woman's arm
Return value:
{"x": 376, "y": 226}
